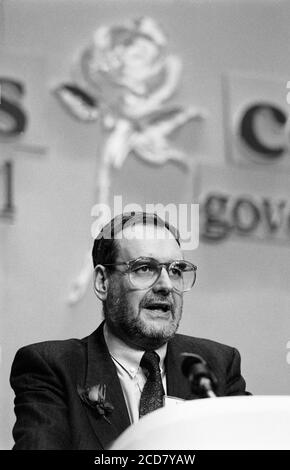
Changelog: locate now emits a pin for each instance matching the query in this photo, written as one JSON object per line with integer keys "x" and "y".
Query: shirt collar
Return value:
{"x": 129, "y": 358}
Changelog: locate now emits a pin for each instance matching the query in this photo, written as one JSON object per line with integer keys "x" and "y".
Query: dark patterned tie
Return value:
{"x": 153, "y": 392}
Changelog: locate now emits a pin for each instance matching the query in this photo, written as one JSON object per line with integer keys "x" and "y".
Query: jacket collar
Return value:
{"x": 101, "y": 370}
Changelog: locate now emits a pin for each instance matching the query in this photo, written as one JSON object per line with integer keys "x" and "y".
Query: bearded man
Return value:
{"x": 82, "y": 394}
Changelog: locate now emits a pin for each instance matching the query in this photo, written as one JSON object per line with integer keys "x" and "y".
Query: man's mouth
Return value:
{"x": 162, "y": 306}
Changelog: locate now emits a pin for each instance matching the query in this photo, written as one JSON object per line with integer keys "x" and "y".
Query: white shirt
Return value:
{"x": 131, "y": 376}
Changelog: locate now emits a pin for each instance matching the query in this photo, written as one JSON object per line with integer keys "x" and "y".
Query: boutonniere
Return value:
{"x": 95, "y": 398}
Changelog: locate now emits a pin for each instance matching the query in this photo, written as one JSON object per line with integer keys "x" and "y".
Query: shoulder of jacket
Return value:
{"x": 204, "y": 343}
{"x": 55, "y": 348}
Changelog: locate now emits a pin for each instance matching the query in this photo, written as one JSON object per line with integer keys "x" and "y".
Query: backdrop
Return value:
{"x": 234, "y": 55}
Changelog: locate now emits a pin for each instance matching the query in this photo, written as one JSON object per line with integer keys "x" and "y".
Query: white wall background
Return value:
{"x": 242, "y": 294}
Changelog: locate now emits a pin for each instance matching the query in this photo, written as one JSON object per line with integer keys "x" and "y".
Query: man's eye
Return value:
{"x": 145, "y": 268}
{"x": 176, "y": 272}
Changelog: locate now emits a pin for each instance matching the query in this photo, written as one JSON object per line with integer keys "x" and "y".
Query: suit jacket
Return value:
{"x": 48, "y": 408}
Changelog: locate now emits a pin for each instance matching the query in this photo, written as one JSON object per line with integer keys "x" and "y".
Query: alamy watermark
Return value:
{"x": 184, "y": 217}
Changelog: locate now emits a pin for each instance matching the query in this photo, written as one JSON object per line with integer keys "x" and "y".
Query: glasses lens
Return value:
{"x": 182, "y": 275}
{"x": 143, "y": 273}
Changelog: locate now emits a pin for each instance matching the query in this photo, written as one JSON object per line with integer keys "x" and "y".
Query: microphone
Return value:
{"x": 203, "y": 382}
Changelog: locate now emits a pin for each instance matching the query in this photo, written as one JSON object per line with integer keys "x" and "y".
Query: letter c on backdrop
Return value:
{"x": 248, "y": 132}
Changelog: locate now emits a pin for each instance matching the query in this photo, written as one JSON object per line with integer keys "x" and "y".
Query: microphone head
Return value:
{"x": 189, "y": 361}
{"x": 195, "y": 369}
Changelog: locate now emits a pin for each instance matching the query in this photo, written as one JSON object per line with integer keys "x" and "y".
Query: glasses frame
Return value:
{"x": 160, "y": 265}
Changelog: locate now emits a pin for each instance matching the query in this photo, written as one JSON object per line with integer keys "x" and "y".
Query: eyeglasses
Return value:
{"x": 144, "y": 272}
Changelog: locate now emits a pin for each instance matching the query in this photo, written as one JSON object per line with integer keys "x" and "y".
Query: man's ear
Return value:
{"x": 101, "y": 282}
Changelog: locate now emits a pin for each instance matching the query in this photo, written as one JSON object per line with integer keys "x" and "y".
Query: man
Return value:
{"x": 82, "y": 394}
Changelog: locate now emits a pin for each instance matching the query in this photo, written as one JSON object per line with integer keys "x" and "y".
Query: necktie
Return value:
{"x": 153, "y": 392}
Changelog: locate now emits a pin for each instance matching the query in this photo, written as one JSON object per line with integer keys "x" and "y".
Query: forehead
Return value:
{"x": 148, "y": 240}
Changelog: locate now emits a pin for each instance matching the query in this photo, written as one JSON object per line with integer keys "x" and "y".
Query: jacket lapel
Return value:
{"x": 101, "y": 370}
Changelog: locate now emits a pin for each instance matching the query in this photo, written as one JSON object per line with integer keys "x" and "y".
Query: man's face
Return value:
{"x": 138, "y": 316}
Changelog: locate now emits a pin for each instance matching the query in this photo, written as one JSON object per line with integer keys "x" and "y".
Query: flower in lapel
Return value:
{"x": 95, "y": 398}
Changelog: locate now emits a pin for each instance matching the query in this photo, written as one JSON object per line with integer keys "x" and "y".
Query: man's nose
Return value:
{"x": 163, "y": 283}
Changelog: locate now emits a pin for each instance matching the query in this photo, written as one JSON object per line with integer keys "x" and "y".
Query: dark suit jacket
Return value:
{"x": 49, "y": 411}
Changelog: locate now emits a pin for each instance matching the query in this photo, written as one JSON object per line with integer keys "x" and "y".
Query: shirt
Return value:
{"x": 131, "y": 376}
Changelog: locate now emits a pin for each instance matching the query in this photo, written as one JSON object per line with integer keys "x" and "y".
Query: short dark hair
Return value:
{"x": 105, "y": 249}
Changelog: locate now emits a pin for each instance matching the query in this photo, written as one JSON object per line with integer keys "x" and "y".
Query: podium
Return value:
{"x": 223, "y": 423}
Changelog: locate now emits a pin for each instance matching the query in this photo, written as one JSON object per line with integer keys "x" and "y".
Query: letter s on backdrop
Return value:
{"x": 13, "y": 119}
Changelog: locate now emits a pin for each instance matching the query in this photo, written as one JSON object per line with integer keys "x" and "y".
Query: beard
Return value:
{"x": 130, "y": 326}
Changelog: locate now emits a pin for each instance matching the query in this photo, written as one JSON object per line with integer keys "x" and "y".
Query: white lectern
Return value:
{"x": 225, "y": 423}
